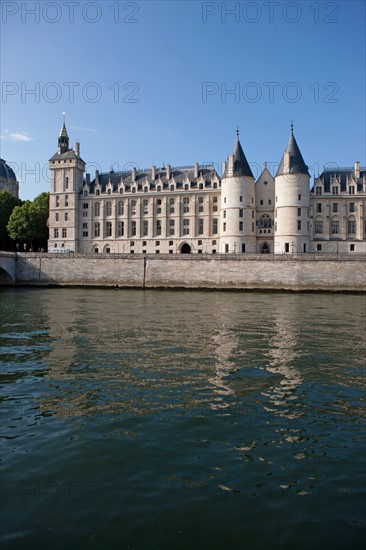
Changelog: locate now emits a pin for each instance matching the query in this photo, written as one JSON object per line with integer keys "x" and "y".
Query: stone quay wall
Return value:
{"x": 263, "y": 272}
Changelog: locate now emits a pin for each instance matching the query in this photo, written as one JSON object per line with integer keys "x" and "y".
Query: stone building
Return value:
{"x": 191, "y": 209}
{"x": 8, "y": 180}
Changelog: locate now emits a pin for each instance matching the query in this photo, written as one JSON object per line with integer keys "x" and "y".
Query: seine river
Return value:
{"x": 182, "y": 420}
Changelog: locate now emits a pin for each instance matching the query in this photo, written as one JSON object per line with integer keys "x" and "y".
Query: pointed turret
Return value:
{"x": 292, "y": 161}
{"x": 238, "y": 164}
{"x": 63, "y": 140}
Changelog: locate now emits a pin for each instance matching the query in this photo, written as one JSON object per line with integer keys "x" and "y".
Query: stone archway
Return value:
{"x": 265, "y": 249}
{"x": 185, "y": 249}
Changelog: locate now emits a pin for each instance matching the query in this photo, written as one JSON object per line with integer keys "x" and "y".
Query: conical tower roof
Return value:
{"x": 63, "y": 131}
{"x": 297, "y": 164}
{"x": 241, "y": 165}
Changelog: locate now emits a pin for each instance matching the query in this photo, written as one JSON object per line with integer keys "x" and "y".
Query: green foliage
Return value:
{"x": 7, "y": 204}
{"x": 29, "y": 222}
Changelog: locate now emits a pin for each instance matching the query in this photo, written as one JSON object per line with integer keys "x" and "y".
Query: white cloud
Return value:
{"x": 17, "y": 136}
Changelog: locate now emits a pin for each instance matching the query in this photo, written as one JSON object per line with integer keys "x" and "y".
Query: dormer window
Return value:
{"x": 335, "y": 190}
{"x": 97, "y": 192}
{"x": 109, "y": 192}
{"x": 318, "y": 190}
{"x": 85, "y": 193}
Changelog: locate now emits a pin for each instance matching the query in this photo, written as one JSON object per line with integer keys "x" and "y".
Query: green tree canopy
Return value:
{"x": 7, "y": 204}
{"x": 29, "y": 222}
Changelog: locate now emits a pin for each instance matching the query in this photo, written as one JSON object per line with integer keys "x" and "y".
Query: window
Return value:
{"x": 55, "y": 233}
{"x": 108, "y": 208}
{"x": 269, "y": 201}
{"x": 57, "y": 201}
{"x": 335, "y": 207}
{"x": 287, "y": 247}
{"x": 351, "y": 190}
{"x": 241, "y": 213}
{"x": 224, "y": 200}
{"x": 224, "y": 214}
{"x": 243, "y": 248}
{"x": 299, "y": 225}
{"x": 214, "y": 226}
{"x": 96, "y": 208}
{"x": 85, "y": 229}
{"x": 352, "y": 247}
{"x": 265, "y": 221}
{"x": 145, "y": 228}
{"x": 335, "y": 227}
{"x": 299, "y": 197}
{"x": 133, "y": 229}
{"x": 171, "y": 227}
{"x": 318, "y": 247}
{"x": 318, "y": 207}
{"x": 170, "y": 243}
{"x": 200, "y": 200}
{"x": 66, "y": 216}
{"x": 97, "y": 229}
{"x": 66, "y": 200}
{"x": 67, "y": 182}
{"x": 121, "y": 229}
{"x": 318, "y": 190}
{"x": 299, "y": 211}
{"x": 351, "y": 226}
{"x": 109, "y": 191}
{"x": 56, "y": 217}
{"x": 252, "y": 226}
{"x": 185, "y": 227}
{"x": 97, "y": 192}
{"x": 335, "y": 190}
{"x": 200, "y": 227}
{"x": 226, "y": 248}
{"x": 261, "y": 202}
{"x": 121, "y": 209}
{"x": 64, "y": 233}
{"x": 252, "y": 213}
{"x": 241, "y": 198}
{"x": 318, "y": 227}
{"x": 200, "y": 208}
{"x": 185, "y": 205}
{"x": 158, "y": 227}
{"x": 224, "y": 227}
{"x": 108, "y": 229}
{"x": 186, "y": 187}
{"x": 171, "y": 201}
{"x": 351, "y": 206}
{"x": 172, "y": 187}
{"x": 240, "y": 226}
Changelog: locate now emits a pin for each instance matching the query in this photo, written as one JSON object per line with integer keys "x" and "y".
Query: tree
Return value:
{"x": 28, "y": 222}
{"x": 7, "y": 204}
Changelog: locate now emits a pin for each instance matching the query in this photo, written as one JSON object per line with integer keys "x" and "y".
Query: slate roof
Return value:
{"x": 342, "y": 175}
{"x": 241, "y": 165}
{"x": 297, "y": 164}
{"x": 143, "y": 177}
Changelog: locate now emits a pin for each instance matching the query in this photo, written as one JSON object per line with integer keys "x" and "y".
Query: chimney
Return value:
{"x": 153, "y": 172}
{"x": 196, "y": 169}
{"x": 286, "y": 163}
{"x": 168, "y": 171}
{"x": 96, "y": 176}
{"x": 88, "y": 179}
{"x": 134, "y": 173}
{"x": 77, "y": 149}
{"x": 223, "y": 168}
{"x": 357, "y": 169}
{"x": 230, "y": 168}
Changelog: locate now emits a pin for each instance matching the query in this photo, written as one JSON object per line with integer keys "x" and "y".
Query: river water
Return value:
{"x": 180, "y": 419}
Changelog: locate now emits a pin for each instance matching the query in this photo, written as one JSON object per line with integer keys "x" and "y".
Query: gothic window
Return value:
{"x": 265, "y": 221}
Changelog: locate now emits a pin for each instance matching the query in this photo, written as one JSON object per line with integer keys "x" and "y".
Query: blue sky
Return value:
{"x": 151, "y": 82}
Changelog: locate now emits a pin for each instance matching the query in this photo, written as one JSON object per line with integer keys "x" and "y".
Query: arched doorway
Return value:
{"x": 265, "y": 248}
{"x": 185, "y": 249}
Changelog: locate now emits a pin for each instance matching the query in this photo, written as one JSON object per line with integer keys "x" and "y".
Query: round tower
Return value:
{"x": 292, "y": 202}
{"x": 237, "y": 214}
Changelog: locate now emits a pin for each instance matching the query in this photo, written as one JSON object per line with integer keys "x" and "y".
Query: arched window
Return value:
{"x": 97, "y": 192}
{"x": 120, "y": 190}
{"x": 158, "y": 188}
{"x": 186, "y": 187}
{"x": 265, "y": 221}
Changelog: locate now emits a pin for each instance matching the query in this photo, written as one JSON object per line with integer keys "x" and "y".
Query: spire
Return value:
{"x": 241, "y": 165}
{"x": 296, "y": 162}
{"x": 63, "y": 139}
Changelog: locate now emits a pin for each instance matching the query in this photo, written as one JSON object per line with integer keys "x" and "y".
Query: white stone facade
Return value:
{"x": 192, "y": 210}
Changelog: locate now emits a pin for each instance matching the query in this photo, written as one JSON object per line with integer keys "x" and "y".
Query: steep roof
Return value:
{"x": 297, "y": 164}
